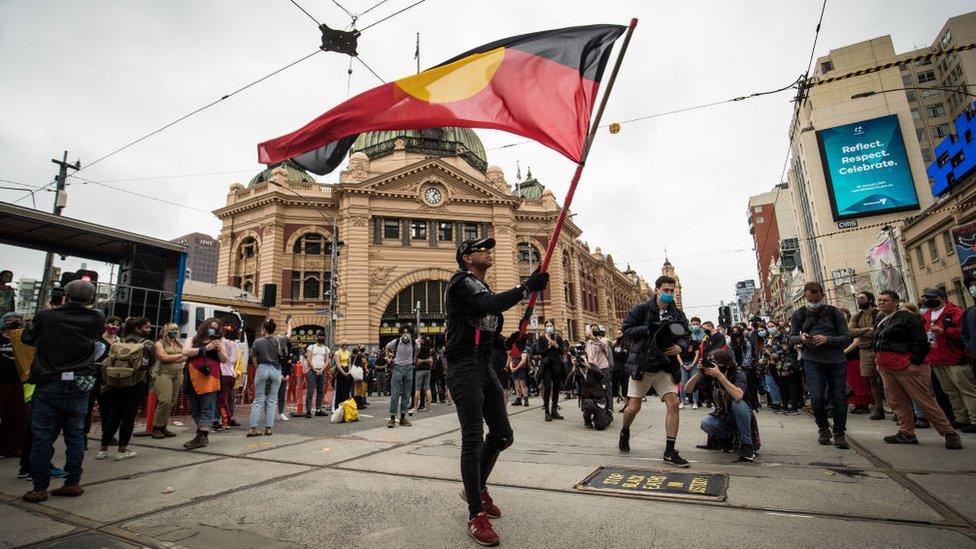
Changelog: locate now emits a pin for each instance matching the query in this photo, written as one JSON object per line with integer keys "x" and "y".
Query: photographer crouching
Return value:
{"x": 731, "y": 414}
{"x": 654, "y": 329}
{"x": 591, "y": 384}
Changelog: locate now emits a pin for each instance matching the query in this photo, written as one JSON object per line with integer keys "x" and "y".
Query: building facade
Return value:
{"x": 923, "y": 88}
{"x": 375, "y": 250}
{"x": 202, "y": 252}
{"x": 773, "y": 229}
{"x": 833, "y": 251}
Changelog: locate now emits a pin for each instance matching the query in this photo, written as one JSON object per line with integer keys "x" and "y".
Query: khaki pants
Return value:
{"x": 913, "y": 384}
{"x": 959, "y": 385}
{"x": 169, "y": 379}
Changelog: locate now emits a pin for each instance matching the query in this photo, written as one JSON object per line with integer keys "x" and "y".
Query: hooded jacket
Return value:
{"x": 947, "y": 349}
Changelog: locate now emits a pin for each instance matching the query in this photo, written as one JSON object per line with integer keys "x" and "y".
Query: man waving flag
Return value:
{"x": 541, "y": 85}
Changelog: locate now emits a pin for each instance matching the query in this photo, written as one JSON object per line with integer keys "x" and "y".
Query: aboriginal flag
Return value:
{"x": 541, "y": 85}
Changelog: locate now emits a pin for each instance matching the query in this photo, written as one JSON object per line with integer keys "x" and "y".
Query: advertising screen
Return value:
{"x": 867, "y": 168}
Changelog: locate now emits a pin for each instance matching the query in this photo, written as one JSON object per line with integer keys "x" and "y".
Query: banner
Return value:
{"x": 867, "y": 168}
{"x": 884, "y": 264}
{"x": 965, "y": 240}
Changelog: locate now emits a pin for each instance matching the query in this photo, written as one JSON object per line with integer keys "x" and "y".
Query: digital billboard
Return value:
{"x": 867, "y": 168}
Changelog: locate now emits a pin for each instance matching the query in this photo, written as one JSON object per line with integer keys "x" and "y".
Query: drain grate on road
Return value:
{"x": 655, "y": 483}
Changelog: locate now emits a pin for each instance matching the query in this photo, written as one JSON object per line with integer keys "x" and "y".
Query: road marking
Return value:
{"x": 787, "y": 514}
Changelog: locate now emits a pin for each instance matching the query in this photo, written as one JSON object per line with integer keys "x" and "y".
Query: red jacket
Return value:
{"x": 947, "y": 348}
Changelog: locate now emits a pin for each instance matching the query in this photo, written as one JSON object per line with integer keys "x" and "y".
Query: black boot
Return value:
{"x": 199, "y": 441}
{"x": 158, "y": 432}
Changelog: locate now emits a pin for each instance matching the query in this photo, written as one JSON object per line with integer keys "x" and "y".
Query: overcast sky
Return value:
{"x": 90, "y": 76}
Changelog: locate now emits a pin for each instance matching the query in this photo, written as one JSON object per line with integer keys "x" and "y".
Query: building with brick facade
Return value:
{"x": 400, "y": 208}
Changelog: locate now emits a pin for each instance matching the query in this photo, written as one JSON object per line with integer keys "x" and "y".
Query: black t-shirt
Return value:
{"x": 381, "y": 362}
{"x": 423, "y": 353}
{"x": 8, "y": 367}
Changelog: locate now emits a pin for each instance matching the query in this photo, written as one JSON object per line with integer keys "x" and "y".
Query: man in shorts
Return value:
{"x": 652, "y": 365}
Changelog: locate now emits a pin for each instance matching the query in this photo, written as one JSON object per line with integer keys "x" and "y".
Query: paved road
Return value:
{"x": 363, "y": 485}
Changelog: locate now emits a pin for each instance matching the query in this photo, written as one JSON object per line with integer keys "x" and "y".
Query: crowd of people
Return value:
{"x": 887, "y": 359}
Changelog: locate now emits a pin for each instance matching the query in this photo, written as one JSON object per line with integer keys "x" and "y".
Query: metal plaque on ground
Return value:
{"x": 655, "y": 483}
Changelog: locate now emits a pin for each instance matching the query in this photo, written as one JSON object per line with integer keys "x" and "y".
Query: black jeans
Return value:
{"x": 118, "y": 409}
{"x": 479, "y": 399}
{"x": 552, "y": 377}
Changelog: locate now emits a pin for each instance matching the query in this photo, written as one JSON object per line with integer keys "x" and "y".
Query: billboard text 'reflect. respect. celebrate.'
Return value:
{"x": 867, "y": 168}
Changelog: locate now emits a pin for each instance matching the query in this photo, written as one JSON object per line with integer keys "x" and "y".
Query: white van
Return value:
{"x": 193, "y": 315}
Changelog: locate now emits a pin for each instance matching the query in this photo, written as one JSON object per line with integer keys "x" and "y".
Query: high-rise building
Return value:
{"x": 28, "y": 292}
{"x": 773, "y": 229}
{"x": 854, "y": 160}
{"x": 202, "y": 252}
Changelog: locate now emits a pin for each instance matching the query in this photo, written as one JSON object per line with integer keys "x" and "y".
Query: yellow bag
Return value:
{"x": 23, "y": 353}
{"x": 350, "y": 412}
{"x": 239, "y": 367}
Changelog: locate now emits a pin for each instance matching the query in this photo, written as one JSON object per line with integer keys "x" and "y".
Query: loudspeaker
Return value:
{"x": 269, "y": 295}
{"x": 142, "y": 271}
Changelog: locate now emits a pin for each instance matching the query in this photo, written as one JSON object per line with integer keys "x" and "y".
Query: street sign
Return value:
{"x": 654, "y": 483}
{"x": 321, "y": 312}
{"x": 534, "y": 322}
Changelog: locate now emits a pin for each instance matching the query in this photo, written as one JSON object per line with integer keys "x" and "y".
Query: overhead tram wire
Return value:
{"x": 310, "y": 16}
{"x": 187, "y": 115}
{"x": 146, "y": 196}
{"x": 676, "y": 111}
{"x": 392, "y": 15}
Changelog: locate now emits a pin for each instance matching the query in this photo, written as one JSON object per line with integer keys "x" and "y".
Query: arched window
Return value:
{"x": 248, "y": 249}
{"x": 312, "y": 244}
{"x": 527, "y": 253}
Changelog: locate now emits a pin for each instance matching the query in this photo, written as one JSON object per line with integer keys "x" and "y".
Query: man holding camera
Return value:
{"x": 651, "y": 363}
{"x": 474, "y": 325}
{"x": 731, "y": 412}
{"x": 598, "y": 353}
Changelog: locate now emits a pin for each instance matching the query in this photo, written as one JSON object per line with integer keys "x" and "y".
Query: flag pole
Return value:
{"x": 561, "y": 219}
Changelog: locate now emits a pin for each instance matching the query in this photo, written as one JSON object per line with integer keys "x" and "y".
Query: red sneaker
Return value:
{"x": 491, "y": 509}
{"x": 487, "y": 504}
{"x": 479, "y": 528}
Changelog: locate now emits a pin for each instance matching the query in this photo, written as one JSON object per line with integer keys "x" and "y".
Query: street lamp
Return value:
{"x": 869, "y": 93}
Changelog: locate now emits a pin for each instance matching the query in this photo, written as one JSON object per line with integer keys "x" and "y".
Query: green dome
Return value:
{"x": 293, "y": 171}
{"x": 446, "y": 141}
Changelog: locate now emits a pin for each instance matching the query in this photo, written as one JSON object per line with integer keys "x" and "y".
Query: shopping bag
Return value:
{"x": 350, "y": 412}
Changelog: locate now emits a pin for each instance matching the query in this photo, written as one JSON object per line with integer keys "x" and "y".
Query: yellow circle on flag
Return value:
{"x": 456, "y": 81}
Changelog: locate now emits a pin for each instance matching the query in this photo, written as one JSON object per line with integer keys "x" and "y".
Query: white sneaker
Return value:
{"x": 125, "y": 455}
{"x": 681, "y": 406}
{"x": 101, "y": 454}
{"x": 694, "y": 406}
{"x": 283, "y": 417}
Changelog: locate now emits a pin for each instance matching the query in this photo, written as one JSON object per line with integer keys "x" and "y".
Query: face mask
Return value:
{"x": 814, "y": 306}
{"x": 171, "y": 335}
{"x": 773, "y": 331}
{"x": 922, "y": 310}
{"x": 321, "y": 340}
{"x": 763, "y": 333}
{"x": 667, "y": 298}
{"x": 111, "y": 330}
{"x": 550, "y": 330}
{"x": 405, "y": 338}
{"x": 696, "y": 328}
{"x": 211, "y": 332}
{"x": 708, "y": 331}
{"x": 972, "y": 291}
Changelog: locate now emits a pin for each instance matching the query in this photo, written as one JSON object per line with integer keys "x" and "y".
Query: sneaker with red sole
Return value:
{"x": 487, "y": 503}
{"x": 479, "y": 528}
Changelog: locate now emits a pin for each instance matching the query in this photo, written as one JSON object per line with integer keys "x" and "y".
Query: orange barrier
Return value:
{"x": 150, "y": 411}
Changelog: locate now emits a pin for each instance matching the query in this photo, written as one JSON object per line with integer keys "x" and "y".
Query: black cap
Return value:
{"x": 472, "y": 245}
{"x": 934, "y": 292}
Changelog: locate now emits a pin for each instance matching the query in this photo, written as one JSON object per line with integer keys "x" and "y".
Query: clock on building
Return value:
{"x": 433, "y": 196}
